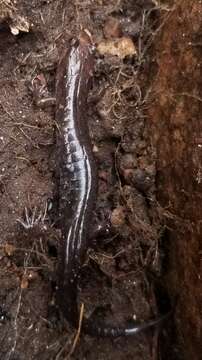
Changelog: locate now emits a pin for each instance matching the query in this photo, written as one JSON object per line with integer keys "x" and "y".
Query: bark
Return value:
{"x": 177, "y": 134}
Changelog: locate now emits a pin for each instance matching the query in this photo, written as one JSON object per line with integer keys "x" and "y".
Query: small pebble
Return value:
{"x": 95, "y": 149}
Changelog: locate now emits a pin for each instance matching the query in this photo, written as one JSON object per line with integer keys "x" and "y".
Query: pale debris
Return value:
{"x": 10, "y": 14}
{"x": 121, "y": 47}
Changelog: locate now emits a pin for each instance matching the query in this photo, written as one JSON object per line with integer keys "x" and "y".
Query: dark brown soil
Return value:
{"x": 121, "y": 271}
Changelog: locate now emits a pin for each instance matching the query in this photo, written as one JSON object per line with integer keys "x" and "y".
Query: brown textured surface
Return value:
{"x": 115, "y": 278}
{"x": 177, "y": 134}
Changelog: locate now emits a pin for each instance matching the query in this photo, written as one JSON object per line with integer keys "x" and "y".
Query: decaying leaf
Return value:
{"x": 121, "y": 47}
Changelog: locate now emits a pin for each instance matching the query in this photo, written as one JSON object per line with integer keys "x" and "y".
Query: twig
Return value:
{"x": 23, "y": 124}
{"x": 76, "y": 339}
{"x": 32, "y": 251}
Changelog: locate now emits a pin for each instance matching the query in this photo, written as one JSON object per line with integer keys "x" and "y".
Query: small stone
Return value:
{"x": 95, "y": 149}
{"x": 112, "y": 28}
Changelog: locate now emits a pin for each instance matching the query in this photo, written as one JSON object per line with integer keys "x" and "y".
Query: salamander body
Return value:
{"x": 78, "y": 182}
{"x": 77, "y": 169}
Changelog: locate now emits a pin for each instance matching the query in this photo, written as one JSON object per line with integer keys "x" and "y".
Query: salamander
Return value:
{"x": 78, "y": 182}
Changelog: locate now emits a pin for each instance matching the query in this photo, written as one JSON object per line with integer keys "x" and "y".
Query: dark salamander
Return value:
{"x": 78, "y": 182}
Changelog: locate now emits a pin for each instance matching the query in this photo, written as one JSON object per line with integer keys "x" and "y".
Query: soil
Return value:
{"x": 177, "y": 128}
{"x": 122, "y": 271}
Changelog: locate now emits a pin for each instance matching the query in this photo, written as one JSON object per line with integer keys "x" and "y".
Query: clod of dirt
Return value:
{"x": 128, "y": 161}
{"x": 129, "y": 27}
{"x": 118, "y": 217}
{"x": 113, "y": 126}
{"x": 127, "y": 164}
{"x": 120, "y": 47}
{"x": 112, "y": 28}
{"x": 141, "y": 178}
{"x": 127, "y": 175}
{"x": 9, "y": 14}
